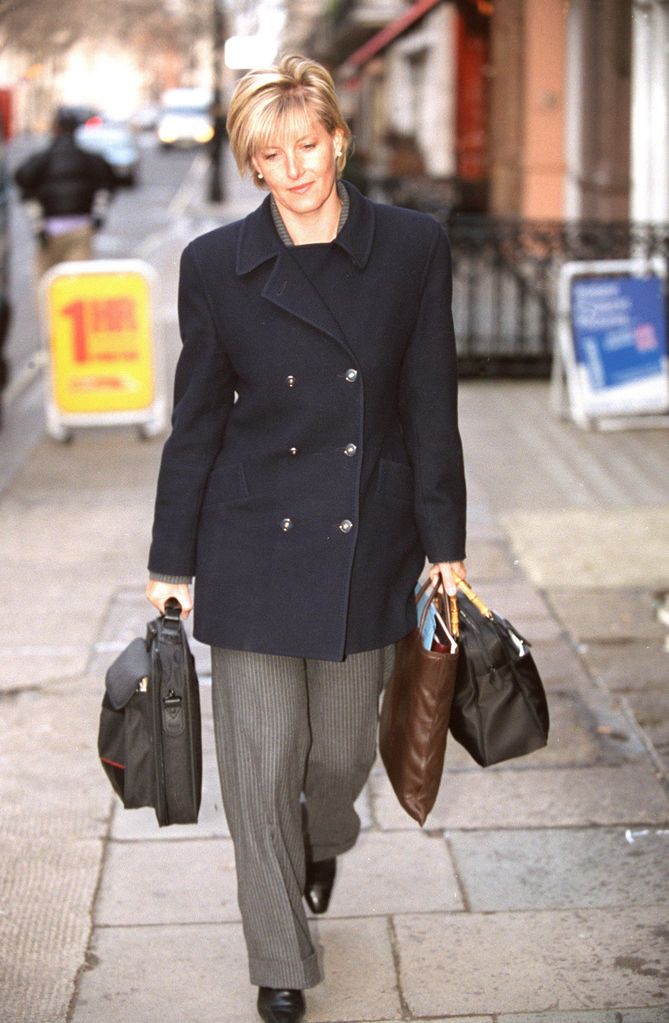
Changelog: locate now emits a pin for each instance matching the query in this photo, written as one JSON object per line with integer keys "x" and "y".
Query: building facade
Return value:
{"x": 536, "y": 109}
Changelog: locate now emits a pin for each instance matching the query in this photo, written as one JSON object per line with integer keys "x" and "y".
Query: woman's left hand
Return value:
{"x": 448, "y": 572}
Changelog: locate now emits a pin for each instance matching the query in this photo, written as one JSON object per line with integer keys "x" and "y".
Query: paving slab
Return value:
{"x": 489, "y": 560}
{"x": 47, "y": 885}
{"x": 173, "y": 882}
{"x": 627, "y": 666}
{"x": 372, "y": 877}
{"x": 659, "y": 1014}
{"x": 145, "y": 974}
{"x": 521, "y": 603}
{"x": 360, "y": 978}
{"x": 481, "y": 521}
{"x": 560, "y": 666}
{"x": 25, "y": 666}
{"x": 585, "y": 729}
{"x": 534, "y": 798}
{"x": 534, "y": 962}
{"x": 109, "y": 546}
{"x": 562, "y": 868}
{"x": 211, "y": 961}
{"x": 55, "y": 808}
{"x": 141, "y": 825}
{"x": 607, "y": 615}
{"x": 651, "y": 710}
{"x": 593, "y": 539}
{"x": 126, "y": 617}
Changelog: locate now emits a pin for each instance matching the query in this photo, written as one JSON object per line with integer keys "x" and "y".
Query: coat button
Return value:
{"x": 350, "y": 450}
{"x": 290, "y": 380}
{"x": 351, "y": 375}
{"x": 286, "y": 524}
{"x": 293, "y": 451}
{"x": 346, "y": 525}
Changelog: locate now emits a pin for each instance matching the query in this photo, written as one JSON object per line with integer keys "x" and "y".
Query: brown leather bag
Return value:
{"x": 416, "y": 711}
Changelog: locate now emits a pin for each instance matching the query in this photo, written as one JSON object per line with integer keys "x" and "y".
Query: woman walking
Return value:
{"x": 313, "y": 465}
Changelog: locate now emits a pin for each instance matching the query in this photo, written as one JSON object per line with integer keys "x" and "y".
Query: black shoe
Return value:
{"x": 318, "y": 887}
{"x": 280, "y": 1006}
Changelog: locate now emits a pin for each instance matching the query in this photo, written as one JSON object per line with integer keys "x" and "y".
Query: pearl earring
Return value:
{"x": 260, "y": 176}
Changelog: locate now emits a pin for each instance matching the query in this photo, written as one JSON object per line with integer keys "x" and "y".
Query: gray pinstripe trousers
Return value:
{"x": 295, "y": 741}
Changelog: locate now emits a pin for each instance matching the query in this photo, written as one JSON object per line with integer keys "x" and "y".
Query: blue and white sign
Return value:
{"x": 614, "y": 338}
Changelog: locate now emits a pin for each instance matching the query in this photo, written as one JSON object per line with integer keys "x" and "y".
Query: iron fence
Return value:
{"x": 505, "y": 275}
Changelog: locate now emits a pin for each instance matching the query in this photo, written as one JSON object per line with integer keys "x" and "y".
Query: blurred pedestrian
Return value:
{"x": 71, "y": 188}
{"x": 314, "y": 463}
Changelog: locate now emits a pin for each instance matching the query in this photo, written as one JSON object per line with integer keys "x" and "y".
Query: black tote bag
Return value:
{"x": 499, "y": 709}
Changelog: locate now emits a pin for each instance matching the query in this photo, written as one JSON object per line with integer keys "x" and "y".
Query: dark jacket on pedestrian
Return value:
{"x": 306, "y": 507}
{"x": 64, "y": 178}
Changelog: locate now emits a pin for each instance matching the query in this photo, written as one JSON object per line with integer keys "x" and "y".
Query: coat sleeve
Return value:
{"x": 29, "y": 175}
{"x": 203, "y": 396}
{"x": 428, "y": 402}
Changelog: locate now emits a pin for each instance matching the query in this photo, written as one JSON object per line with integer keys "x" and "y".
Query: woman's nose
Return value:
{"x": 293, "y": 167}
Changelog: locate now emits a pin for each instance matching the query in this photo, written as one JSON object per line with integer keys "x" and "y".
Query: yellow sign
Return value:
{"x": 99, "y": 327}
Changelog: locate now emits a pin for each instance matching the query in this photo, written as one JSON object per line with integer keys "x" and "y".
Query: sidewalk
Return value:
{"x": 538, "y": 891}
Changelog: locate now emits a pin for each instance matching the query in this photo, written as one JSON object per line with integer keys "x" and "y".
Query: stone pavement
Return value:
{"x": 537, "y": 893}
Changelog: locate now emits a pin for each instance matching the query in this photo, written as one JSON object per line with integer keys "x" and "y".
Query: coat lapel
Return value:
{"x": 287, "y": 287}
{"x": 291, "y": 290}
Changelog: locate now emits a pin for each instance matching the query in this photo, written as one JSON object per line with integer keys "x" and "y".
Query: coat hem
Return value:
{"x": 204, "y": 636}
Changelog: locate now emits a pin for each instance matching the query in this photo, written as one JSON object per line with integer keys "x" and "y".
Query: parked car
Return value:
{"x": 185, "y": 118}
{"x": 115, "y": 142}
{"x": 145, "y": 118}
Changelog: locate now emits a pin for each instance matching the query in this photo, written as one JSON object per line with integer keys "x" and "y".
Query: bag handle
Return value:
{"x": 476, "y": 601}
{"x": 172, "y": 616}
{"x": 448, "y": 609}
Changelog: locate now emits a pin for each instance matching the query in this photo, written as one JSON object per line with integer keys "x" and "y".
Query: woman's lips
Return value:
{"x": 299, "y": 189}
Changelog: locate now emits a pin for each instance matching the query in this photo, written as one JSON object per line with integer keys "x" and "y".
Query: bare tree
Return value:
{"x": 44, "y": 28}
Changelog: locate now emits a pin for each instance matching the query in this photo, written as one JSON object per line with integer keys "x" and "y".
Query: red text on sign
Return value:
{"x": 103, "y": 328}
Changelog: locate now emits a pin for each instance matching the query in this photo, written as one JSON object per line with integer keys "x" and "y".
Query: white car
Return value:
{"x": 115, "y": 142}
{"x": 185, "y": 118}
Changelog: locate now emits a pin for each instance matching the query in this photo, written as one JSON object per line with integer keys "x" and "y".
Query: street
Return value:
{"x": 537, "y": 893}
{"x": 151, "y": 221}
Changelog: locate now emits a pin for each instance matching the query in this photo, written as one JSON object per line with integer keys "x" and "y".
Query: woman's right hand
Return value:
{"x": 158, "y": 593}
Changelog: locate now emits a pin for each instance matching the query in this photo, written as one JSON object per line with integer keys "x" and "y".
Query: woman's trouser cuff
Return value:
{"x": 280, "y": 973}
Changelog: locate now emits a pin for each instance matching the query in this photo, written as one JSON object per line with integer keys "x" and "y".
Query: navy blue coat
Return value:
{"x": 306, "y": 507}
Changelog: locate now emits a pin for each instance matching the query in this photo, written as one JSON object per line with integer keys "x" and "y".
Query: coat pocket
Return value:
{"x": 226, "y": 483}
{"x": 396, "y": 481}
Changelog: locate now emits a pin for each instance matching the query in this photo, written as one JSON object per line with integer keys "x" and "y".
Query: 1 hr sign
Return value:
{"x": 99, "y": 331}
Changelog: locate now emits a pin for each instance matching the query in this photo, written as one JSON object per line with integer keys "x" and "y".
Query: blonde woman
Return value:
{"x": 313, "y": 465}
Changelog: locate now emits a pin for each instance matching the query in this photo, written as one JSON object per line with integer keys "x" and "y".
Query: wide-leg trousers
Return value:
{"x": 295, "y": 742}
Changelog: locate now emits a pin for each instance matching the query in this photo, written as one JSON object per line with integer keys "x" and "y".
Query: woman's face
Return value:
{"x": 301, "y": 170}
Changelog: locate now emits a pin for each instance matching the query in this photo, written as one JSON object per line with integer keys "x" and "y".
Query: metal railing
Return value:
{"x": 505, "y": 275}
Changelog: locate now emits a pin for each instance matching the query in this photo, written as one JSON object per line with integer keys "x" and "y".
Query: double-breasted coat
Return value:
{"x": 314, "y": 460}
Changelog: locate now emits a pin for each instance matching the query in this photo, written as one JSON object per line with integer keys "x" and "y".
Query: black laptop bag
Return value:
{"x": 149, "y": 738}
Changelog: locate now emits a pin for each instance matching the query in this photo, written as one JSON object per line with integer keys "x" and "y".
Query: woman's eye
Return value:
{"x": 309, "y": 145}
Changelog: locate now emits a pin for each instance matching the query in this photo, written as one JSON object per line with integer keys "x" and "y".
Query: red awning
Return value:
{"x": 389, "y": 33}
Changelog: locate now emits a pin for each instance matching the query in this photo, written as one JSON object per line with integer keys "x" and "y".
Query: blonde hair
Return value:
{"x": 274, "y": 103}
